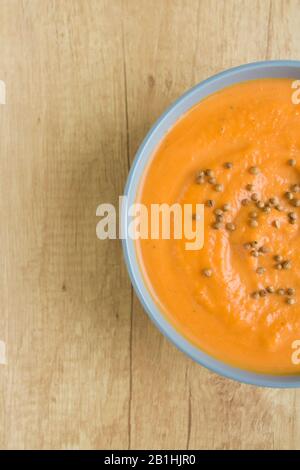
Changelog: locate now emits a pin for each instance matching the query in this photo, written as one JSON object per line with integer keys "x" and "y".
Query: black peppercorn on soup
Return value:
{"x": 238, "y": 153}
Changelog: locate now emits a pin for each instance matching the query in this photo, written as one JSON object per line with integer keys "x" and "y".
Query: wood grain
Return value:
{"x": 86, "y": 368}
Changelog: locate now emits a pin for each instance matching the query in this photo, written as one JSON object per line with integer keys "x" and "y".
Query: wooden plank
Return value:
{"x": 66, "y": 296}
{"x": 176, "y": 403}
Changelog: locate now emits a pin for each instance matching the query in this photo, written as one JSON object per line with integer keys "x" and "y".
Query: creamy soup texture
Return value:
{"x": 238, "y": 298}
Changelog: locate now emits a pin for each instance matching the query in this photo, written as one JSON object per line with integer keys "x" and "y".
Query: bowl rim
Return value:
{"x": 159, "y": 319}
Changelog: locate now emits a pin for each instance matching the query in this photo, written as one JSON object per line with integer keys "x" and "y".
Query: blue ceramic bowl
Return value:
{"x": 267, "y": 69}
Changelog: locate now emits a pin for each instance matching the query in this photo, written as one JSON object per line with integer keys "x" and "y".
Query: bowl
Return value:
{"x": 256, "y": 70}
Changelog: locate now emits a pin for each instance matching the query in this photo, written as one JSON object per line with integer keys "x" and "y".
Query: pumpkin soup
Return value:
{"x": 238, "y": 152}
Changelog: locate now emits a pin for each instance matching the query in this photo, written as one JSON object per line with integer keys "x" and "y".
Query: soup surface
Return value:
{"x": 237, "y": 298}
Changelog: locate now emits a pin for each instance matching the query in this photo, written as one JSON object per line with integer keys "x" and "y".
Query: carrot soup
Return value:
{"x": 237, "y": 298}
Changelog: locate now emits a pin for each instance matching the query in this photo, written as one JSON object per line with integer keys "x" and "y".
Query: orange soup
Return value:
{"x": 237, "y": 298}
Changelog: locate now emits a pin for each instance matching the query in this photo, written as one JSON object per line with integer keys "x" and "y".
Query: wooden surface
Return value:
{"x": 85, "y": 366}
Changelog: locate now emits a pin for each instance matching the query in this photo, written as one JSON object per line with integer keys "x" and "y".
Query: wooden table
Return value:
{"x": 85, "y": 366}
